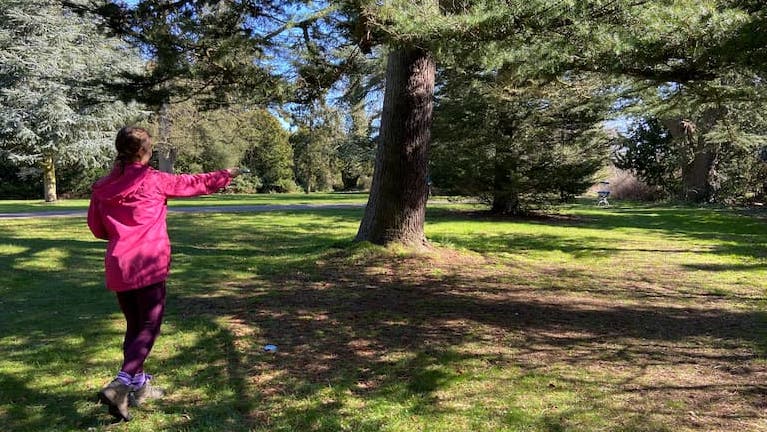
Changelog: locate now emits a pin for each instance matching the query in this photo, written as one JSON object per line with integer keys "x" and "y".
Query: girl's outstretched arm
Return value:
{"x": 189, "y": 185}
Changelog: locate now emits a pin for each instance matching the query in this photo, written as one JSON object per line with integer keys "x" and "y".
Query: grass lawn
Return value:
{"x": 623, "y": 319}
{"x": 28, "y": 206}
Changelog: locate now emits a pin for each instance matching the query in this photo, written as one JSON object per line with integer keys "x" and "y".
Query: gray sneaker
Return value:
{"x": 147, "y": 391}
{"x": 115, "y": 396}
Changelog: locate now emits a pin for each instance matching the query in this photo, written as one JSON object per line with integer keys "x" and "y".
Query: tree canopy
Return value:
{"x": 53, "y": 104}
{"x": 518, "y": 148}
{"x": 691, "y": 62}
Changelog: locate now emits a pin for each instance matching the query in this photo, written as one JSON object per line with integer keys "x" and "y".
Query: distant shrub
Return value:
{"x": 284, "y": 186}
{"x": 247, "y": 184}
{"x": 625, "y": 185}
{"x": 15, "y": 185}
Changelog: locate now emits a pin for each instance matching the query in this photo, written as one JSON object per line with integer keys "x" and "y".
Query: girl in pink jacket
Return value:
{"x": 128, "y": 209}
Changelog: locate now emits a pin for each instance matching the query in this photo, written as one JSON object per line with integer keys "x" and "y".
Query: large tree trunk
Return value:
{"x": 349, "y": 180}
{"x": 49, "y": 179}
{"x": 396, "y": 208}
{"x": 506, "y": 204}
{"x": 166, "y": 154}
{"x": 505, "y": 191}
{"x": 696, "y": 181}
{"x": 166, "y": 159}
{"x": 696, "y": 171}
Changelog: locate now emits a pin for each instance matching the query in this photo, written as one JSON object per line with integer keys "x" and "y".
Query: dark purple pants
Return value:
{"x": 143, "y": 309}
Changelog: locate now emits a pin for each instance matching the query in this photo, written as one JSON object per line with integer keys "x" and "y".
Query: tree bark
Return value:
{"x": 396, "y": 208}
{"x": 696, "y": 171}
{"x": 166, "y": 159}
{"x": 349, "y": 180}
{"x": 696, "y": 182}
{"x": 505, "y": 191}
{"x": 49, "y": 179}
{"x": 166, "y": 154}
{"x": 506, "y": 204}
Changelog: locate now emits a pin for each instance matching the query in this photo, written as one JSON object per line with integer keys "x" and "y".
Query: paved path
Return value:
{"x": 195, "y": 209}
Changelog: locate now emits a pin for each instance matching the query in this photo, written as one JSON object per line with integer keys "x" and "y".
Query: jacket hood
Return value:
{"x": 120, "y": 183}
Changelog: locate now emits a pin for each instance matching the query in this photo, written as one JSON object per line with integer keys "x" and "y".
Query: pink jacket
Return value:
{"x": 128, "y": 209}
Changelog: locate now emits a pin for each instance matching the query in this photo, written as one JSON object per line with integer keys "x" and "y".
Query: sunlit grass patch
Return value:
{"x": 631, "y": 319}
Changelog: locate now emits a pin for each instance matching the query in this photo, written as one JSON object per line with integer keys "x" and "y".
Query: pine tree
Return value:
{"x": 53, "y": 108}
{"x": 538, "y": 38}
{"x": 318, "y": 134}
{"x": 518, "y": 148}
{"x": 699, "y": 68}
{"x": 206, "y": 140}
{"x": 220, "y": 52}
{"x": 422, "y": 34}
{"x": 356, "y": 152}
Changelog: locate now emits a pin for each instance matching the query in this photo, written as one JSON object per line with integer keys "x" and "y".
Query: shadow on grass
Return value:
{"x": 734, "y": 233}
{"x": 31, "y": 409}
{"x": 56, "y": 318}
{"x": 365, "y": 341}
{"x": 342, "y": 328}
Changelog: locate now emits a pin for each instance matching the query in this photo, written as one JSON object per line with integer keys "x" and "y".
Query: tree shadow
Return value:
{"x": 387, "y": 332}
{"x": 340, "y": 326}
{"x": 46, "y": 409}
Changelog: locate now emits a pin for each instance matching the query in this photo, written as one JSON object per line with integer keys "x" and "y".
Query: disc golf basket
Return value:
{"x": 603, "y": 193}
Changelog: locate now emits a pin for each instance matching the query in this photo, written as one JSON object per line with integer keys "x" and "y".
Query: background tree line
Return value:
{"x": 502, "y": 101}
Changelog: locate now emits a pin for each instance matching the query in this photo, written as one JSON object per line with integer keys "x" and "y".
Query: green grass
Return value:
{"x": 626, "y": 319}
{"x": 24, "y": 206}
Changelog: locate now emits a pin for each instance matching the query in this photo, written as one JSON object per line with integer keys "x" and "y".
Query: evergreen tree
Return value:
{"x": 355, "y": 157}
{"x": 176, "y": 137}
{"x": 686, "y": 63}
{"x": 421, "y": 34}
{"x": 356, "y": 151}
{"x": 269, "y": 154}
{"x": 647, "y": 40}
{"x": 212, "y": 50}
{"x": 718, "y": 162}
{"x": 648, "y": 151}
{"x": 315, "y": 141}
{"x": 53, "y": 109}
{"x": 518, "y": 148}
{"x": 229, "y": 136}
